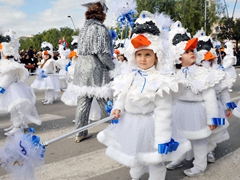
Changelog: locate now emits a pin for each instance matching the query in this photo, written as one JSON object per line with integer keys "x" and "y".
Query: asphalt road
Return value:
{"x": 67, "y": 160}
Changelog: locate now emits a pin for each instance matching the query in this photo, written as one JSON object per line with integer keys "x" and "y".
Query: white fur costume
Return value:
{"x": 16, "y": 97}
{"x": 229, "y": 60}
{"x": 50, "y": 84}
{"x": 197, "y": 105}
{"x": 145, "y": 100}
{"x": 219, "y": 134}
{"x": 61, "y": 65}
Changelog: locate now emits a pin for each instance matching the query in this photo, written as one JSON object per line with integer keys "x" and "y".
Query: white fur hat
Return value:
{"x": 47, "y": 48}
{"x": 145, "y": 35}
{"x": 74, "y": 44}
{"x": 205, "y": 50}
{"x": 228, "y": 48}
{"x": 10, "y": 44}
{"x": 181, "y": 41}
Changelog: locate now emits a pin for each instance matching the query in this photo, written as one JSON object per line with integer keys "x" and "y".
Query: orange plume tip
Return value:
{"x": 191, "y": 44}
{"x": 1, "y": 46}
{"x": 139, "y": 41}
{"x": 116, "y": 51}
{"x": 71, "y": 54}
{"x": 46, "y": 53}
{"x": 209, "y": 56}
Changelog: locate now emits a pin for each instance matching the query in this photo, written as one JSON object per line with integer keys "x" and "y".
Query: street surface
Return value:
{"x": 67, "y": 160}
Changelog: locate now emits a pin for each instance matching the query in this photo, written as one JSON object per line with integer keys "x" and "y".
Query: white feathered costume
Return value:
{"x": 45, "y": 79}
{"x": 16, "y": 97}
{"x": 144, "y": 98}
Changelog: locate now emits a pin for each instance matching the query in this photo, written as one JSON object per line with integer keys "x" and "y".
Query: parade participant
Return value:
{"x": 143, "y": 105}
{"x": 229, "y": 60}
{"x": 45, "y": 79}
{"x": 206, "y": 56}
{"x": 91, "y": 76}
{"x": 16, "y": 97}
{"x": 61, "y": 65}
{"x": 197, "y": 106}
{"x": 69, "y": 97}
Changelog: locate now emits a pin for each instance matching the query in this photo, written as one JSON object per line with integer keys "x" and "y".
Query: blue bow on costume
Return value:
{"x": 231, "y": 105}
{"x": 126, "y": 18}
{"x": 42, "y": 74}
{"x": 108, "y": 108}
{"x": 218, "y": 121}
{"x": 68, "y": 65}
{"x": 141, "y": 73}
{"x": 168, "y": 147}
{"x": 2, "y": 90}
{"x": 222, "y": 68}
{"x": 34, "y": 141}
{"x": 185, "y": 71}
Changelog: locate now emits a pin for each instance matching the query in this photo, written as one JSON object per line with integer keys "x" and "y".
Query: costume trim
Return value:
{"x": 98, "y": 92}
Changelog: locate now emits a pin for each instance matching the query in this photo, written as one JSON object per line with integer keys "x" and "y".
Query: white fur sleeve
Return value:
{"x": 211, "y": 106}
{"x": 119, "y": 104}
{"x": 6, "y": 79}
{"x": 225, "y": 97}
{"x": 229, "y": 61}
{"x": 163, "y": 118}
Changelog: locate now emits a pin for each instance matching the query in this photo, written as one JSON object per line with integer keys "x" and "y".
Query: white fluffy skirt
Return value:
{"x": 191, "y": 118}
{"x": 131, "y": 141}
{"x": 48, "y": 83}
{"x": 69, "y": 97}
{"x": 20, "y": 98}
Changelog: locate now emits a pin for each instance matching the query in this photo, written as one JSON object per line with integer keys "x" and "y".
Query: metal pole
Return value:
{"x": 78, "y": 130}
{"x": 234, "y": 8}
{"x": 72, "y": 22}
{"x": 226, "y": 8}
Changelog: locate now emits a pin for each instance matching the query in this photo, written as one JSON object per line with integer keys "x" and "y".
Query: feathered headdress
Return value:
{"x": 47, "y": 48}
{"x": 9, "y": 44}
{"x": 145, "y": 35}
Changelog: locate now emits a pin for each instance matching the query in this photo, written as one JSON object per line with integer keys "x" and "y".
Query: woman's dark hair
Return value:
{"x": 95, "y": 11}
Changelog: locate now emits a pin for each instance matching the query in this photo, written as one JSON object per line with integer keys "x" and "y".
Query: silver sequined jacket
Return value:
{"x": 94, "y": 60}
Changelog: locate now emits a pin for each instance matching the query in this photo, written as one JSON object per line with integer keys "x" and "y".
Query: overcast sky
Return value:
{"x": 33, "y": 16}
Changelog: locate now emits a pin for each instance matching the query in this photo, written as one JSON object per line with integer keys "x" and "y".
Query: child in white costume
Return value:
{"x": 45, "y": 79}
{"x": 16, "y": 97}
{"x": 61, "y": 65}
{"x": 197, "y": 105}
{"x": 207, "y": 58}
{"x": 143, "y": 97}
{"x": 229, "y": 60}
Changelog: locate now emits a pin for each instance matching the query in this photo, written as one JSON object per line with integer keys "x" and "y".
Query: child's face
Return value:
{"x": 120, "y": 58}
{"x": 46, "y": 56}
{"x": 188, "y": 58}
{"x": 145, "y": 58}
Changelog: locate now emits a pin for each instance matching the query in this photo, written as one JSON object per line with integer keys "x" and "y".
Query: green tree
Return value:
{"x": 229, "y": 29}
{"x": 52, "y": 36}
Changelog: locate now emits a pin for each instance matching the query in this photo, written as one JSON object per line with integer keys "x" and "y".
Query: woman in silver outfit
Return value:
{"x": 91, "y": 78}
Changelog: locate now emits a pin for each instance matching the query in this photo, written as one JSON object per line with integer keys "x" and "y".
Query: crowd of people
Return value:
{"x": 170, "y": 91}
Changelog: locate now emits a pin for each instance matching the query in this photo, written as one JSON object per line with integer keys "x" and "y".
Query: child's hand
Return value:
{"x": 228, "y": 113}
{"x": 212, "y": 127}
{"x": 116, "y": 113}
